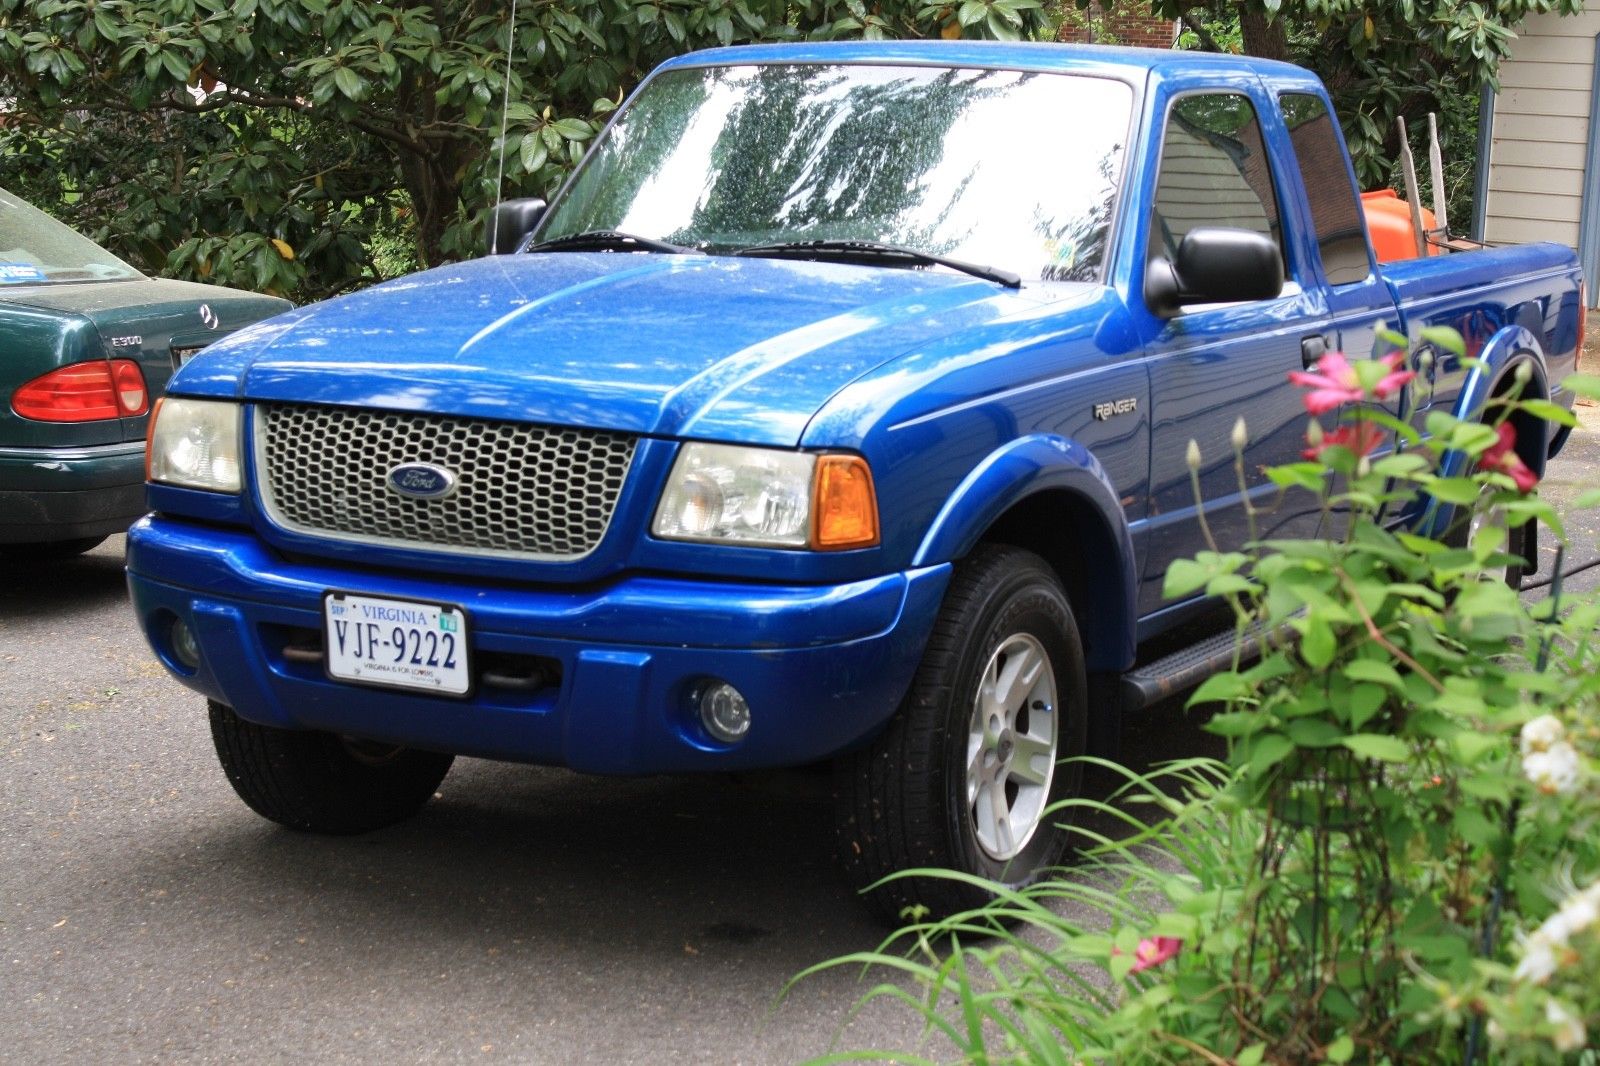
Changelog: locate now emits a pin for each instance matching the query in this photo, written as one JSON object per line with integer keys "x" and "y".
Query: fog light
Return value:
{"x": 185, "y": 648}
{"x": 724, "y": 712}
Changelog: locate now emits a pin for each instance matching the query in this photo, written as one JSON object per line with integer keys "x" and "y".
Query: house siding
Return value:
{"x": 1540, "y": 138}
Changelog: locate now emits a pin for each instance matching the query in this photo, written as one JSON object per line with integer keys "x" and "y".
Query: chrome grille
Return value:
{"x": 522, "y": 490}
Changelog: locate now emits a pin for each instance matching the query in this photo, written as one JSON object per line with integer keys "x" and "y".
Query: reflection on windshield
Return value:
{"x": 35, "y": 249}
{"x": 1010, "y": 168}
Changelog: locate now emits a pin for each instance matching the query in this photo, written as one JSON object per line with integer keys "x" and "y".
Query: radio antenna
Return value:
{"x": 505, "y": 107}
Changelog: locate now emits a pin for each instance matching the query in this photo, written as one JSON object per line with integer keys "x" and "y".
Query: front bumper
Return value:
{"x": 53, "y": 494}
{"x": 822, "y": 667}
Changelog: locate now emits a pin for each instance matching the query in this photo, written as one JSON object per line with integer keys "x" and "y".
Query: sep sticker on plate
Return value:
{"x": 399, "y": 643}
{"x": 20, "y": 273}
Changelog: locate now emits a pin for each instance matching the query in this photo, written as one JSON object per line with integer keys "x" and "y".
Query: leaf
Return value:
{"x": 1445, "y": 337}
{"x": 283, "y": 249}
{"x": 1220, "y": 688}
{"x": 1184, "y": 578}
{"x": 1374, "y": 670}
{"x": 1583, "y": 384}
{"x": 1231, "y": 584}
{"x": 1457, "y": 490}
{"x": 347, "y": 82}
{"x": 1550, "y": 412}
{"x": 1344, "y": 1048}
{"x": 1471, "y": 746}
{"x": 1268, "y": 751}
{"x": 1317, "y": 645}
{"x": 1314, "y": 733}
{"x": 1378, "y": 746}
{"x": 1365, "y": 700}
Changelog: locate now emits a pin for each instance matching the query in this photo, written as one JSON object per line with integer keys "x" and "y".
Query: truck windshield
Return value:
{"x": 1014, "y": 169}
{"x": 35, "y": 249}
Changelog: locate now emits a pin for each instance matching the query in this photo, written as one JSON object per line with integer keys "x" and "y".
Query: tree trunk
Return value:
{"x": 1263, "y": 39}
{"x": 435, "y": 193}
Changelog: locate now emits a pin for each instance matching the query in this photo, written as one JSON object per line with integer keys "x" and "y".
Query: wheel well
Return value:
{"x": 1069, "y": 534}
{"x": 1532, "y": 443}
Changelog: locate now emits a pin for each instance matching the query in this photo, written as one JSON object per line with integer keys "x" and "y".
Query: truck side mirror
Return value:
{"x": 510, "y": 222}
{"x": 1214, "y": 265}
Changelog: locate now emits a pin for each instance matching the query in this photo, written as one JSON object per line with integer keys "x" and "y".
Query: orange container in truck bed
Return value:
{"x": 1389, "y": 223}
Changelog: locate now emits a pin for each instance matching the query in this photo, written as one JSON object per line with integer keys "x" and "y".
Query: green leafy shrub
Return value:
{"x": 1398, "y": 860}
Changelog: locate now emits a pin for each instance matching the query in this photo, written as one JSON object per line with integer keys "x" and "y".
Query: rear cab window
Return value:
{"x": 1341, "y": 231}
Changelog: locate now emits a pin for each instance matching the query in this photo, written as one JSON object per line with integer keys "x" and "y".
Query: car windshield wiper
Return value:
{"x": 609, "y": 240}
{"x": 873, "y": 251}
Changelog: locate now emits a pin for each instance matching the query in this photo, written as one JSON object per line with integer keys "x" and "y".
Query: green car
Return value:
{"x": 86, "y": 345}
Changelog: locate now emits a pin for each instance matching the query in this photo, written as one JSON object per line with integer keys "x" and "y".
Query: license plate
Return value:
{"x": 399, "y": 643}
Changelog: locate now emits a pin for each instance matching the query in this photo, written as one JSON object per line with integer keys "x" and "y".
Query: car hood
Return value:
{"x": 711, "y": 347}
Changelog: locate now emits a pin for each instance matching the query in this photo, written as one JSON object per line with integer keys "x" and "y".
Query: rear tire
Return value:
{"x": 965, "y": 774}
{"x": 1462, "y": 532}
{"x": 320, "y": 783}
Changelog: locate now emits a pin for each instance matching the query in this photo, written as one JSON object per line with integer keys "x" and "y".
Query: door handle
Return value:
{"x": 1311, "y": 349}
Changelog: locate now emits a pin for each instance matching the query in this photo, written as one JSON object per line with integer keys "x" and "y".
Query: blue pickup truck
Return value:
{"x": 836, "y": 409}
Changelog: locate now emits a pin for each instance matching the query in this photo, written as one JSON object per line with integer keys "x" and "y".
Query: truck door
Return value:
{"x": 1212, "y": 364}
{"x": 1358, "y": 299}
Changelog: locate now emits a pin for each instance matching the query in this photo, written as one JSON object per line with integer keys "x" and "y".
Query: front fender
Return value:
{"x": 1021, "y": 470}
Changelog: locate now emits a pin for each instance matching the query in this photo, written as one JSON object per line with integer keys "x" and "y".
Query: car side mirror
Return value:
{"x": 510, "y": 222}
{"x": 1214, "y": 265}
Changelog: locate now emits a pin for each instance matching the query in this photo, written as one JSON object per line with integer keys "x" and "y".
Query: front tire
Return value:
{"x": 321, "y": 783}
{"x": 965, "y": 774}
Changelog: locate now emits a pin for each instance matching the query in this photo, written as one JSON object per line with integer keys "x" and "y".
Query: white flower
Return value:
{"x": 1241, "y": 435}
{"x": 1569, "y": 1034}
{"x": 1538, "y": 961}
{"x": 1556, "y": 771}
{"x": 1541, "y": 733}
{"x": 1579, "y": 913}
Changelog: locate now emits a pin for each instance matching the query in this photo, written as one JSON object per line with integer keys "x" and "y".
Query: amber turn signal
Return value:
{"x": 844, "y": 507}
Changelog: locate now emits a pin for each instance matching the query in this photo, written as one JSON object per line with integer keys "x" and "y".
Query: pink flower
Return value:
{"x": 1336, "y": 383}
{"x": 1155, "y": 950}
{"x": 1502, "y": 456}
{"x": 1333, "y": 385}
{"x": 1358, "y": 437}
{"x": 1391, "y": 382}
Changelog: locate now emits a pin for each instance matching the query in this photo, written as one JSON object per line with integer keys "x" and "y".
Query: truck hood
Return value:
{"x": 711, "y": 347}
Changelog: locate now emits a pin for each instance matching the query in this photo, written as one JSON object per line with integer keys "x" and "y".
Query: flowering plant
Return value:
{"x": 1398, "y": 861}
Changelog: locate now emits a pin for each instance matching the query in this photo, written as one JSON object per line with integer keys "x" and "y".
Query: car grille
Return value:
{"x": 522, "y": 490}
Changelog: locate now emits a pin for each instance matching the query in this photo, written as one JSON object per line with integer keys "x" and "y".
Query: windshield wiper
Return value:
{"x": 871, "y": 251}
{"x": 609, "y": 240}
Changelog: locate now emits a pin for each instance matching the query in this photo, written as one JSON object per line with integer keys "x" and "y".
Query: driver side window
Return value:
{"x": 1214, "y": 172}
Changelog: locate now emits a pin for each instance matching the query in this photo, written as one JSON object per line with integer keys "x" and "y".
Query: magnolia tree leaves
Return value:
{"x": 307, "y": 146}
{"x": 1379, "y": 61}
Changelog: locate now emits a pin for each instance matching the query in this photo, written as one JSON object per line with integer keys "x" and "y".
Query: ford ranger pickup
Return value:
{"x": 835, "y": 409}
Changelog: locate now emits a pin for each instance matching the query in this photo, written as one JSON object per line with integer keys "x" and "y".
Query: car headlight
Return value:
{"x": 195, "y": 444}
{"x": 727, "y": 494}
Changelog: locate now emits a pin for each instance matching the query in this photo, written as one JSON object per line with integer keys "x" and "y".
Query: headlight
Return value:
{"x": 195, "y": 444}
{"x": 722, "y": 493}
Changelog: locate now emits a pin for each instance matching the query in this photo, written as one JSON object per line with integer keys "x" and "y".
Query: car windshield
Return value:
{"x": 1014, "y": 169}
{"x": 35, "y": 249}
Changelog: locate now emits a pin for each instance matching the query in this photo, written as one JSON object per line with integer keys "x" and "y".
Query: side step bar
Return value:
{"x": 1187, "y": 667}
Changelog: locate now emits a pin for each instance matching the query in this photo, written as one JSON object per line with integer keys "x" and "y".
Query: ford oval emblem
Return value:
{"x": 422, "y": 481}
